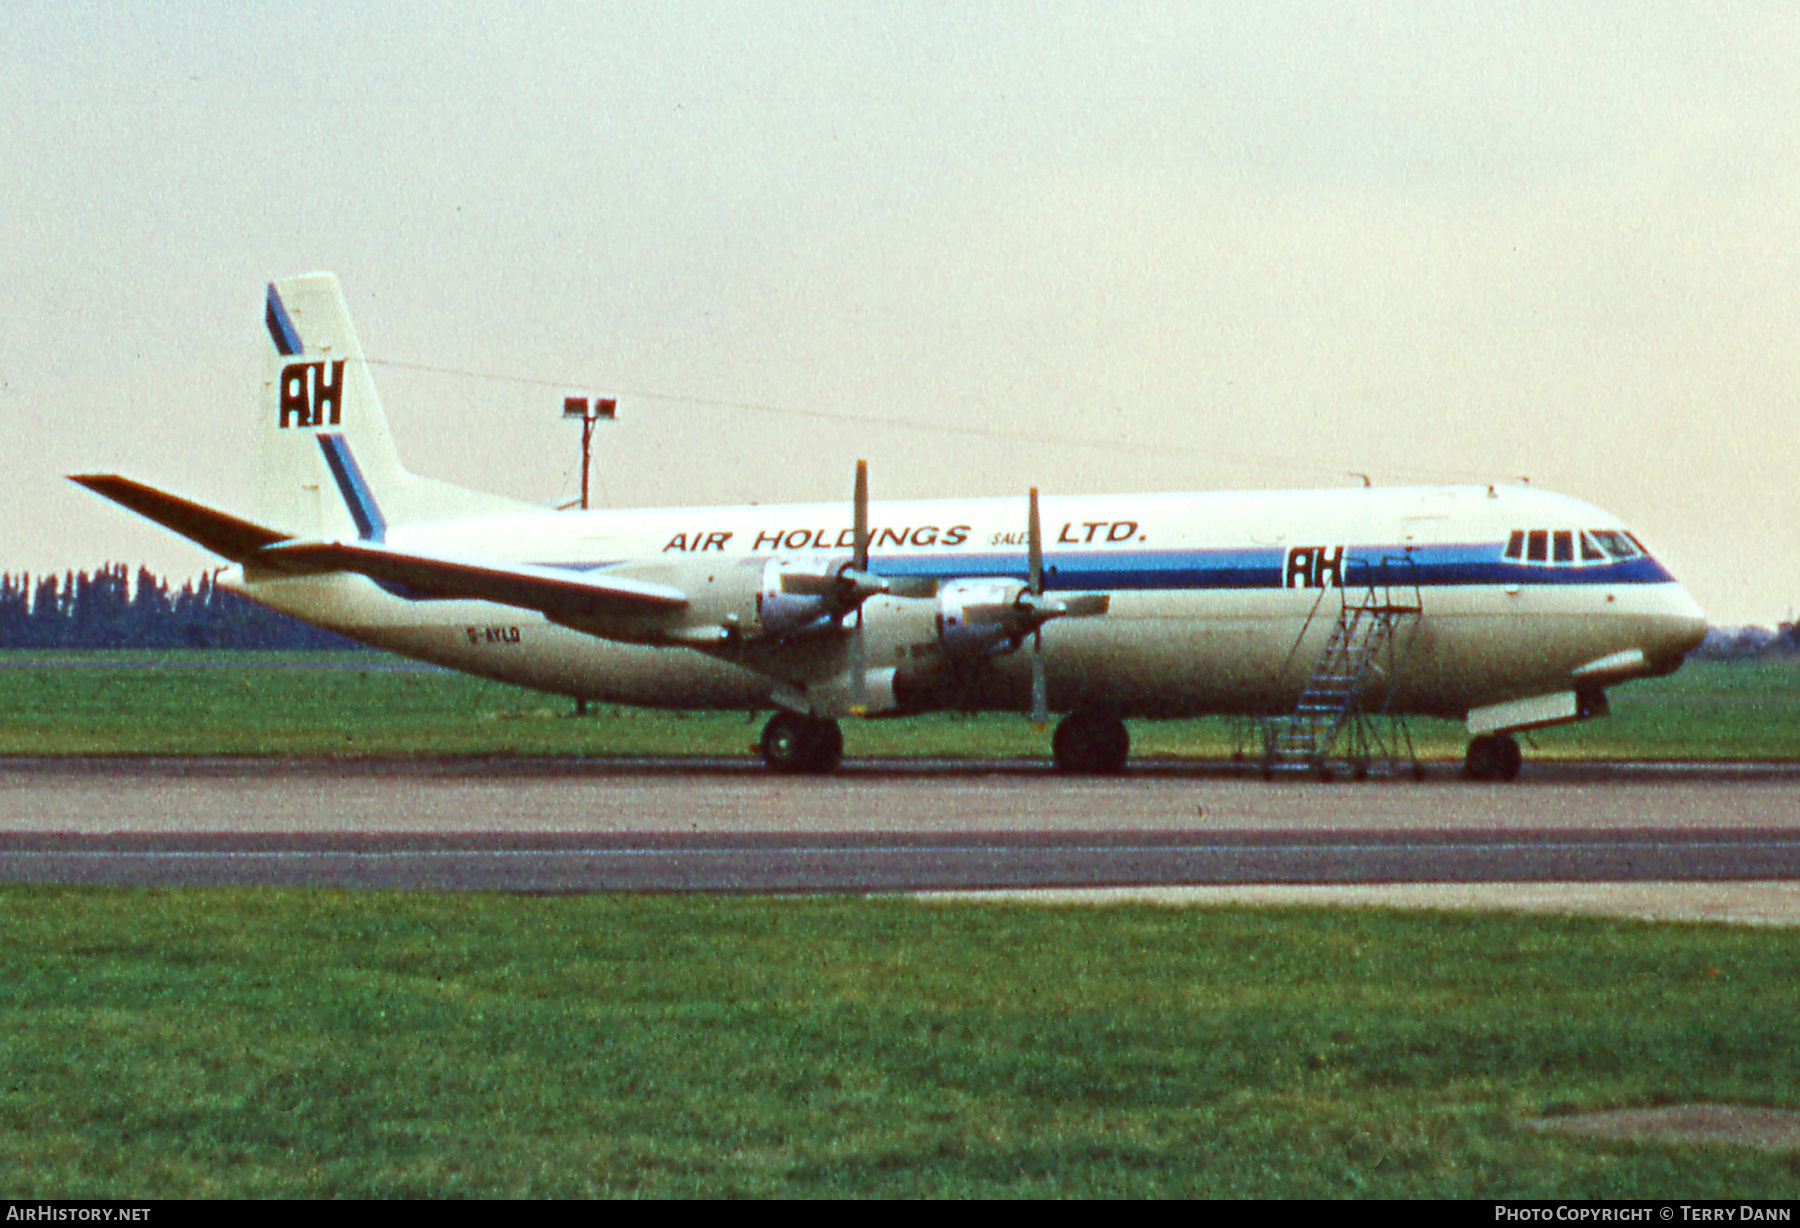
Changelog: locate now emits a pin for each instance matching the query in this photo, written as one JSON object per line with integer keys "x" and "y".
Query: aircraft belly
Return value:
{"x": 548, "y": 657}
{"x": 512, "y": 645}
{"x": 1166, "y": 653}
{"x": 1250, "y": 652}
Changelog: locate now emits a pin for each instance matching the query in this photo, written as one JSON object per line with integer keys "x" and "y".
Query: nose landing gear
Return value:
{"x": 792, "y": 743}
{"x": 1493, "y": 756}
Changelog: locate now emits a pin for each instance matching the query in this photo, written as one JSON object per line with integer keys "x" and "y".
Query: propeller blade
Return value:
{"x": 1035, "y": 611}
{"x": 861, "y": 562}
{"x": 858, "y": 586}
{"x": 863, "y": 586}
{"x": 1040, "y": 686}
{"x": 988, "y": 612}
{"x": 810, "y": 584}
{"x": 852, "y": 587}
{"x": 859, "y": 667}
{"x": 1036, "y": 537}
{"x": 912, "y": 586}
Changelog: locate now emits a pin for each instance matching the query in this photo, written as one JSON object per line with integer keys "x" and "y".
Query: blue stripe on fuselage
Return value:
{"x": 370, "y": 524}
{"x": 1266, "y": 567}
{"x": 1253, "y": 568}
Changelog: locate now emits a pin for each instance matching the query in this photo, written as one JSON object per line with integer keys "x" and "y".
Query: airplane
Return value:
{"x": 1528, "y": 604}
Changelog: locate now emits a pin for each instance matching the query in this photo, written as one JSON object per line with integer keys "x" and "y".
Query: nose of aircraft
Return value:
{"x": 1676, "y": 629}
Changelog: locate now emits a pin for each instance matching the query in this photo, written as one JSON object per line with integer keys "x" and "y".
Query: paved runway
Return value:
{"x": 685, "y": 825}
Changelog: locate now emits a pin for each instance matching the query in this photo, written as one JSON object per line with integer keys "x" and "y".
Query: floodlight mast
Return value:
{"x": 588, "y": 412}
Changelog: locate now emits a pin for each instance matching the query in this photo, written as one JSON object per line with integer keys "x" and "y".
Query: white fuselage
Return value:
{"x": 1220, "y": 602}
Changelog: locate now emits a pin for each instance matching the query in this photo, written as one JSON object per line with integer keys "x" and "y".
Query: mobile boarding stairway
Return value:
{"x": 1345, "y": 716}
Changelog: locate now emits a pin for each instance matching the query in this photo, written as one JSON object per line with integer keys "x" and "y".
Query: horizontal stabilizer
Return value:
{"x": 553, "y": 591}
{"x": 224, "y": 535}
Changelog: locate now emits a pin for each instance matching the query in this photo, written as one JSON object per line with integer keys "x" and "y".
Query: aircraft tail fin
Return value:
{"x": 326, "y": 464}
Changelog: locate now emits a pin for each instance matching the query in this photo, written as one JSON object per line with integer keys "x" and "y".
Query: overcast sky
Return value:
{"x": 1238, "y": 245}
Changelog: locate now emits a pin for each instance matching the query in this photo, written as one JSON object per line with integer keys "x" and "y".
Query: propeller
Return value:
{"x": 853, "y": 583}
{"x": 1040, "y": 686}
{"x": 1034, "y": 609}
{"x": 859, "y": 571}
{"x": 861, "y": 507}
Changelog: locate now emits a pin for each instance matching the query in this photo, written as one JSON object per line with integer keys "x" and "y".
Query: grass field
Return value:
{"x": 264, "y": 1042}
{"x": 269, "y": 1042}
{"x": 243, "y": 704}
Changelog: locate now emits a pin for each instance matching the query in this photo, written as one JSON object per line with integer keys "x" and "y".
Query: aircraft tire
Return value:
{"x": 1493, "y": 757}
{"x": 1090, "y": 743}
{"x": 1507, "y": 758}
{"x": 828, "y": 748}
{"x": 792, "y": 744}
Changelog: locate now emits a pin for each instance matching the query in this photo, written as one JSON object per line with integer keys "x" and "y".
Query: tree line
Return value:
{"x": 104, "y": 609}
{"x": 1749, "y": 643}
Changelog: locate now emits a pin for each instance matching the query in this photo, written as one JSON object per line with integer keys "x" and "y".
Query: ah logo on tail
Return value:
{"x": 306, "y": 392}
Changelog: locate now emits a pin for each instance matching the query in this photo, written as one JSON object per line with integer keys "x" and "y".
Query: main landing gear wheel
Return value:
{"x": 1492, "y": 757}
{"x": 1089, "y": 743}
{"x": 793, "y": 743}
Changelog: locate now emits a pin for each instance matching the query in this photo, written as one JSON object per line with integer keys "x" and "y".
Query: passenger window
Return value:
{"x": 1515, "y": 546}
{"x": 1536, "y": 551}
{"x": 1591, "y": 553}
{"x": 1565, "y": 546}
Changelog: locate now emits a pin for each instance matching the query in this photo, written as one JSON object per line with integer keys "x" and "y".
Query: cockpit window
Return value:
{"x": 1620, "y": 546}
{"x": 1558, "y": 547}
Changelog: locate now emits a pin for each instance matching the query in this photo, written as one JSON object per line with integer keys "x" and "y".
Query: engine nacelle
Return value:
{"x": 783, "y": 613}
{"x": 980, "y": 618}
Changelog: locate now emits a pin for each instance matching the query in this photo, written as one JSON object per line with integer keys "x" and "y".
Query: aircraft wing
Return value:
{"x": 555, "y": 591}
{"x": 224, "y": 535}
